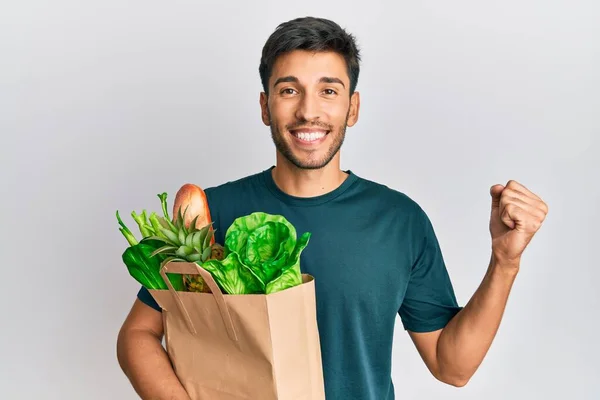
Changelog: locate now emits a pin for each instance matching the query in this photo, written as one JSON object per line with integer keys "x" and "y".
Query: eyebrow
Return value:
{"x": 325, "y": 79}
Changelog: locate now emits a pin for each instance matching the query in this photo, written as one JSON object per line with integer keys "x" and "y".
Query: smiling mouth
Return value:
{"x": 309, "y": 135}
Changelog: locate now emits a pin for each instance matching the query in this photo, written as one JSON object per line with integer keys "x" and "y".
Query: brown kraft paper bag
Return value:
{"x": 250, "y": 346}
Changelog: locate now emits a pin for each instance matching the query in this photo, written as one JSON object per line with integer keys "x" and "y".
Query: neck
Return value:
{"x": 308, "y": 182}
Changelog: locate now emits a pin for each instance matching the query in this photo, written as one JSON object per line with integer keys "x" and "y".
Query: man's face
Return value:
{"x": 309, "y": 107}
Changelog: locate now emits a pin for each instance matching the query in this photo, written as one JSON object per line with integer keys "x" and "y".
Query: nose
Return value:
{"x": 308, "y": 108}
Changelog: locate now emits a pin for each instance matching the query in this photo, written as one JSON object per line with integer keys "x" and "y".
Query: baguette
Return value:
{"x": 192, "y": 198}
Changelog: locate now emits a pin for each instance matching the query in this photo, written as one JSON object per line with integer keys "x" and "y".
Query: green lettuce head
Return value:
{"x": 262, "y": 255}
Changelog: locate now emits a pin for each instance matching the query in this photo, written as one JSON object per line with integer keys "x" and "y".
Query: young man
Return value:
{"x": 373, "y": 250}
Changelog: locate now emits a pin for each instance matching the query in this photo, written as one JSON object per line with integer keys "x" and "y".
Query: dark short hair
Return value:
{"x": 312, "y": 34}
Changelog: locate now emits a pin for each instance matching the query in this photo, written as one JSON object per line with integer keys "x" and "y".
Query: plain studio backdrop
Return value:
{"x": 105, "y": 104}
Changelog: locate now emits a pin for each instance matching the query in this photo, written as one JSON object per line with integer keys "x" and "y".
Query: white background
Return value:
{"x": 105, "y": 104}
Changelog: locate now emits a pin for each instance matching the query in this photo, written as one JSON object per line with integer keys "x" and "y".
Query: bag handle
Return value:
{"x": 191, "y": 268}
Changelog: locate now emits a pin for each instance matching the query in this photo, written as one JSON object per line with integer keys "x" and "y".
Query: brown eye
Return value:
{"x": 330, "y": 92}
{"x": 287, "y": 91}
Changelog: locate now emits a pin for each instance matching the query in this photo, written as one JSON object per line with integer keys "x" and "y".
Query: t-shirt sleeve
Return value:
{"x": 429, "y": 302}
{"x": 146, "y": 298}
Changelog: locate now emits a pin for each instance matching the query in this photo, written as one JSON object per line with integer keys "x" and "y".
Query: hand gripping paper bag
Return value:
{"x": 248, "y": 346}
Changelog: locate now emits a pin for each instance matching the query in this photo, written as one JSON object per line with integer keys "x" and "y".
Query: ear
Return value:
{"x": 354, "y": 109}
{"x": 264, "y": 106}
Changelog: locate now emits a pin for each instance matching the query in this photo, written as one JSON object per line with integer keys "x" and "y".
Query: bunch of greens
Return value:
{"x": 261, "y": 253}
{"x": 144, "y": 259}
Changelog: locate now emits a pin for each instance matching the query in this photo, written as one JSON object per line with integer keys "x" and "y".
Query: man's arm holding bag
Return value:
{"x": 143, "y": 358}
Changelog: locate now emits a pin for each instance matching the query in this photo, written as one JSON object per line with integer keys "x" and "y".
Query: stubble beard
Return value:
{"x": 284, "y": 148}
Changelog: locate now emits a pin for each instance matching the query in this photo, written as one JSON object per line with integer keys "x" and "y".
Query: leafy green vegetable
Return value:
{"x": 290, "y": 276}
{"x": 261, "y": 252}
{"x": 126, "y": 232}
{"x": 163, "y": 203}
{"x": 233, "y": 277}
{"x": 152, "y": 225}
{"x": 141, "y": 258}
{"x": 264, "y": 245}
{"x": 142, "y": 221}
{"x": 145, "y": 268}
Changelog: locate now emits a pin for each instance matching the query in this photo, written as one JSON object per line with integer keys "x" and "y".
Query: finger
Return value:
{"x": 526, "y": 195}
{"x": 514, "y": 185}
{"x": 532, "y": 206}
{"x": 506, "y": 215}
{"x": 496, "y": 192}
{"x": 514, "y": 216}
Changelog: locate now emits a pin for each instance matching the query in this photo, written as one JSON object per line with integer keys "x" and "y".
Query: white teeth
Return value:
{"x": 309, "y": 137}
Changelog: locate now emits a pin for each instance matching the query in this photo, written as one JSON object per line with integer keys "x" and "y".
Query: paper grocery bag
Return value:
{"x": 251, "y": 346}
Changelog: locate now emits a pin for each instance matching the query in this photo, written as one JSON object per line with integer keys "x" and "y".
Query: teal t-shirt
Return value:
{"x": 374, "y": 255}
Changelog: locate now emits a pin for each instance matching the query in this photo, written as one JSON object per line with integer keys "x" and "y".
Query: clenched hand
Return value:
{"x": 517, "y": 214}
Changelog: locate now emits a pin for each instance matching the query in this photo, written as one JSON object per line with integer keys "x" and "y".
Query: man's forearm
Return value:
{"x": 466, "y": 339}
{"x": 146, "y": 363}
